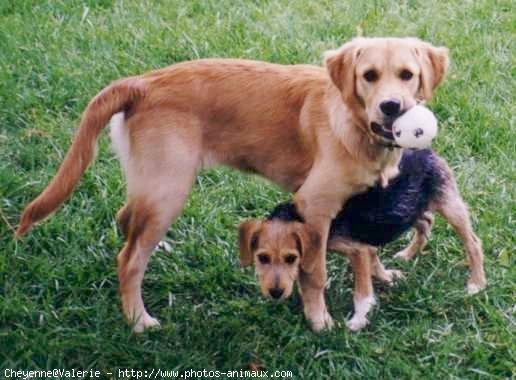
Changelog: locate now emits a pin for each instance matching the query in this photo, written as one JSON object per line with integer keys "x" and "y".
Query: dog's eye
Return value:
{"x": 370, "y": 75}
{"x": 290, "y": 259}
{"x": 406, "y": 75}
{"x": 264, "y": 259}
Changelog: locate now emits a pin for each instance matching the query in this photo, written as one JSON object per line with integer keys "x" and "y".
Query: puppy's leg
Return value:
{"x": 380, "y": 273}
{"x": 454, "y": 210}
{"x": 422, "y": 229}
{"x": 159, "y": 177}
{"x": 363, "y": 259}
{"x": 363, "y": 295}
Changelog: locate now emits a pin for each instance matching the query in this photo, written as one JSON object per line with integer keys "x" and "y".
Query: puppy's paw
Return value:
{"x": 145, "y": 322}
{"x": 474, "y": 288}
{"x": 390, "y": 275}
{"x": 357, "y": 323}
{"x": 393, "y": 275}
{"x": 404, "y": 255}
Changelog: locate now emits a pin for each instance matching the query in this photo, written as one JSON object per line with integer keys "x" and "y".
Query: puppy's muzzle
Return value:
{"x": 276, "y": 293}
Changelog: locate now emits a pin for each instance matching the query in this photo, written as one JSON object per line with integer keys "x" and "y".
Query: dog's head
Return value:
{"x": 279, "y": 250}
{"x": 380, "y": 78}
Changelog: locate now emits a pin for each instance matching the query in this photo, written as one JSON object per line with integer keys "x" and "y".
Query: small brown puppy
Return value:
{"x": 324, "y": 133}
{"x": 279, "y": 249}
{"x": 425, "y": 185}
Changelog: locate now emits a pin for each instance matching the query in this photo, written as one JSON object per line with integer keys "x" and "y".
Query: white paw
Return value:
{"x": 357, "y": 323}
{"x": 164, "y": 246}
{"x": 403, "y": 255}
{"x": 392, "y": 275}
{"x": 145, "y": 322}
{"x": 322, "y": 322}
{"x": 473, "y": 288}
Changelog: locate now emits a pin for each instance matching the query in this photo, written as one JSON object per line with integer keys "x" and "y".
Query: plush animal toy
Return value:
{"x": 416, "y": 128}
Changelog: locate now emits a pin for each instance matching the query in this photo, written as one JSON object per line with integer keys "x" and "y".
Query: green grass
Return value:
{"x": 59, "y": 305}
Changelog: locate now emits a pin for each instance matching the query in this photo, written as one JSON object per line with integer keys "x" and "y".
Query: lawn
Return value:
{"x": 59, "y": 305}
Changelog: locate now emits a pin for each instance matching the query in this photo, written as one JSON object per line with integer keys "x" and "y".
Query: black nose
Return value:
{"x": 276, "y": 292}
{"x": 390, "y": 107}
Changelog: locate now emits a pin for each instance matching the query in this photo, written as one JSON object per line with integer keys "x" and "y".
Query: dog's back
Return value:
{"x": 381, "y": 215}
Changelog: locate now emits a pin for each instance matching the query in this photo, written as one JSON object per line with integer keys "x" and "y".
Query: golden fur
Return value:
{"x": 303, "y": 127}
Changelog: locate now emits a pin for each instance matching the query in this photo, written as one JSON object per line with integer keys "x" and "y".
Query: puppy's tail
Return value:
{"x": 119, "y": 96}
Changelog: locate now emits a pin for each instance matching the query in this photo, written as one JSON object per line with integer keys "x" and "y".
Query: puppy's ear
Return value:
{"x": 308, "y": 241}
{"x": 248, "y": 235}
{"x": 340, "y": 64}
{"x": 434, "y": 63}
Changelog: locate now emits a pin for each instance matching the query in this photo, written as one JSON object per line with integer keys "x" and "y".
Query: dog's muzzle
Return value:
{"x": 385, "y": 134}
{"x": 384, "y": 131}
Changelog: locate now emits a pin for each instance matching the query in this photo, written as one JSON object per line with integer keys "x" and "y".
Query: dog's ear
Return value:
{"x": 248, "y": 239}
{"x": 308, "y": 241}
{"x": 434, "y": 63}
{"x": 340, "y": 64}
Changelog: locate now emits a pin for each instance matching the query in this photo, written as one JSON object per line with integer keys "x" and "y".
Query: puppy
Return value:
{"x": 324, "y": 133}
{"x": 425, "y": 184}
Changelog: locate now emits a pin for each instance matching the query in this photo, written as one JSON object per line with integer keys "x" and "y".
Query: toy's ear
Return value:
{"x": 248, "y": 239}
{"x": 434, "y": 63}
{"x": 308, "y": 241}
{"x": 340, "y": 64}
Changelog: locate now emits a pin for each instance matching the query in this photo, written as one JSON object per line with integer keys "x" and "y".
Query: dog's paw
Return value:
{"x": 322, "y": 322}
{"x": 473, "y": 288}
{"x": 388, "y": 276}
{"x": 357, "y": 323}
{"x": 403, "y": 255}
{"x": 145, "y": 322}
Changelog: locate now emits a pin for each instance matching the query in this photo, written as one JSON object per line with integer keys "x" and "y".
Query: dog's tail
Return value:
{"x": 119, "y": 96}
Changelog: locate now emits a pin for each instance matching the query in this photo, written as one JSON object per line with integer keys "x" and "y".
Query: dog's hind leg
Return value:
{"x": 422, "y": 230}
{"x": 380, "y": 273}
{"x": 160, "y": 174}
{"x": 451, "y": 206}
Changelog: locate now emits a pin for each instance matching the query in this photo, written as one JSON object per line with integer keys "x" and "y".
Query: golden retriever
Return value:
{"x": 321, "y": 132}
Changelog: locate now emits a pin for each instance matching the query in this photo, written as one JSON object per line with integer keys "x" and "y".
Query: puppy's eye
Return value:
{"x": 264, "y": 259}
{"x": 290, "y": 259}
{"x": 406, "y": 75}
{"x": 370, "y": 75}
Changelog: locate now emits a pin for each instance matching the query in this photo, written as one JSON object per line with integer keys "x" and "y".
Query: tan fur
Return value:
{"x": 295, "y": 125}
{"x": 276, "y": 240}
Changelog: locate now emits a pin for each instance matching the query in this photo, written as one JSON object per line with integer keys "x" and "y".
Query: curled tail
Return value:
{"x": 117, "y": 97}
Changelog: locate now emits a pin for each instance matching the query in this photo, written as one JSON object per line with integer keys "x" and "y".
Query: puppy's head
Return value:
{"x": 380, "y": 78}
{"x": 279, "y": 250}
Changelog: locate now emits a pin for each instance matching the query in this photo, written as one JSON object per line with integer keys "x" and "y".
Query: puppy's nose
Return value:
{"x": 390, "y": 107}
{"x": 276, "y": 292}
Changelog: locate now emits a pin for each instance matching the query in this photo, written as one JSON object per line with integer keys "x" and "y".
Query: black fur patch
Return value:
{"x": 286, "y": 212}
{"x": 381, "y": 215}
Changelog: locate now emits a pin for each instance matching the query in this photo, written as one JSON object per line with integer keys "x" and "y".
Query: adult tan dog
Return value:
{"x": 323, "y": 133}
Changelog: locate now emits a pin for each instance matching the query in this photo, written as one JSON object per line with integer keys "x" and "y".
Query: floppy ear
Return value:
{"x": 340, "y": 65}
{"x": 248, "y": 235}
{"x": 434, "y": 64}
{"x": 308, "y": 242}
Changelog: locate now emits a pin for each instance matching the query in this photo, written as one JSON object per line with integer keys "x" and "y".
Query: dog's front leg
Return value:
{"x": 312, "y": 283}
{"x": 318, "y": 201}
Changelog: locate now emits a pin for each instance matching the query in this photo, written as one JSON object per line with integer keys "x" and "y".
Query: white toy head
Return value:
{"x": 416, "y": 128}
